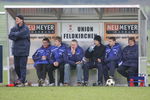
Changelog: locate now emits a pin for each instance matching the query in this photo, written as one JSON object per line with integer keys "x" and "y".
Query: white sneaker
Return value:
{"x": 52, "y": 84}
{"x": 111, "y": 77}
{"x": 61, "y": 84}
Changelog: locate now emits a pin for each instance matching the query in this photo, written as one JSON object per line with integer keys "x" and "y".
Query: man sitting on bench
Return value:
{"x": 74, "y": 60}
{"x": 41, "y": 60}
{"x": 94, "y": 56}
{"x": 129, "y": 66}
{"x": 57, "y": 61}
{"x": 112, "y": 58}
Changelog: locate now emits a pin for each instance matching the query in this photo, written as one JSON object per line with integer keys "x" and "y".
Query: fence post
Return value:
{"x": 1, "y": 63}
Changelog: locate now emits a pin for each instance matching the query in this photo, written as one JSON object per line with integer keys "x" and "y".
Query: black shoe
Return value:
{"x": 41, "y": 82}
{"x": 94, "y": 84}
{"x": 66, "y": 84}
{"x": 79, "y": 83}
{"x": 100, "y": 84}
{"x": 17, "y": 82}
{"x": 20, "y": 85}
{"x": 85, "y": 84}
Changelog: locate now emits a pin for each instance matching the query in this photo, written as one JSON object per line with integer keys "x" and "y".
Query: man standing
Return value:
{"x": 74, "y": 60}
{"x": 57, "y": 60}
{"x": 129, "y": 66}
{"x": 112, "y": 58}
{"x": 20, "y": 35}
{"x": 95, "y": 58}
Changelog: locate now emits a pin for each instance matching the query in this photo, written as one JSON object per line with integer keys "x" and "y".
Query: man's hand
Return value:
{"x": 43, "y": 57}
{"x": 56, "y": 64}
{"x": 99, "y": 60}
{"x": 79, "y": 62}
{"x": 86, "y": 59}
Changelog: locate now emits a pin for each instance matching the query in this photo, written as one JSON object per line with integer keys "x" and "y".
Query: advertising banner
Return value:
{"x": 80, "y": 31}
{"x": 41, "y": 30}
{"x": 121, "y": 31}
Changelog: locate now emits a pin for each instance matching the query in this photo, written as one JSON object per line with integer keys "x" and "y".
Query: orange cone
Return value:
{"x": 10, "y": 85}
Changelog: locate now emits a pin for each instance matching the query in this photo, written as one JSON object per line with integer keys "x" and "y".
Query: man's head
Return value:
{"x": 45, "y": 42}
{"x": 19, "y": 19}
{"x": 97, "y": 40}
{"x": 74, "y": 44}
{"x": 58, "y": 41}
{"x": 111, "y": 41}
{"x": 131, "y": 41}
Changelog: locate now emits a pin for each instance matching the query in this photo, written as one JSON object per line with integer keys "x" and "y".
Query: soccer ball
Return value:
{"x": 110, "y": 82}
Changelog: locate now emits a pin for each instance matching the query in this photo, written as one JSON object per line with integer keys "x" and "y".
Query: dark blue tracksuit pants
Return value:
{"x": 51, "y": 68}
{"x": 90, "y": 65}
{"x": 128, "y": 71}
{"x": 41, "y": 70}
{"x": 20, "y": 63}
{"x": 109, "y": 67}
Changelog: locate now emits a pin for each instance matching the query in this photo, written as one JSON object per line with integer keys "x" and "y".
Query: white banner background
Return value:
{"x": 80, "y": 31}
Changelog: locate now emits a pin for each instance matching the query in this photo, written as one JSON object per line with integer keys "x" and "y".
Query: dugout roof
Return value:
{"x": 62, "y": 12}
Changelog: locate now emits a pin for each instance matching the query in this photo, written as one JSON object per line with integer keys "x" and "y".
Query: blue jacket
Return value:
{"x": 58, "y": 54}
{"x": 130, "y": 56}
{"x": 37, "y": 56}
{"x": 72, "y": 59}
{"x": 113, "y": 54}
{"x": 21, "y": 40}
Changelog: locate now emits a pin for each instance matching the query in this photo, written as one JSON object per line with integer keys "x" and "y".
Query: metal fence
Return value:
{"x": 3, "y": 37}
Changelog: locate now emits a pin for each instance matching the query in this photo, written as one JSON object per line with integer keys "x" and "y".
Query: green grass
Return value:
{"x": 74, "y": 93}
{"x": 5, "y": 79}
